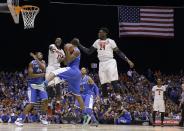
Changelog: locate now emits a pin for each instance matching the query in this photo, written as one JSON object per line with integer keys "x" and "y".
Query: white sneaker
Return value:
{"x": 1, "y": 120}
{"x": 44, "y": 122}
{"x": 19, "y": 122}
{"x": 86, "y": 120}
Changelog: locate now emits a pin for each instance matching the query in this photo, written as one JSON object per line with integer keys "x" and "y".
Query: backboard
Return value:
{"x": 4, "y": 8}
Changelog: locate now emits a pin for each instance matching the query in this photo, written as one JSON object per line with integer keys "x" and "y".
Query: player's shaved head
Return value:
{"x": 102, "y": 33}
{"x": 83, "y": 70}
{"x": 39, "y": 55}
{"x": 159, "y": 81}
{"x": 58, "y": 41}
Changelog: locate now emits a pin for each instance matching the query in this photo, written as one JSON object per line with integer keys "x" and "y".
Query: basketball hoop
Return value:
{"x": 29, "y": 13}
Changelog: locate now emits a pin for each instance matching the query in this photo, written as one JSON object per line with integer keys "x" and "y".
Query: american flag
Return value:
{"x": 146, "y": 21}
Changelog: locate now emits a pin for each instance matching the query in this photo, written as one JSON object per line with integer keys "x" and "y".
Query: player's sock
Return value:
{"x": 154, "y": 114}
{"x": 162, "y": 118}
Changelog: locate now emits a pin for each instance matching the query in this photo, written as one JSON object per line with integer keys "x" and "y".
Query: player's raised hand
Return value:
{"x": 33, "y": 55}
{"x": 131, "y": 64}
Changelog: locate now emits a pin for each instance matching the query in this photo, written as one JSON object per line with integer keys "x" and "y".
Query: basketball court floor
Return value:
{"x": 70, "y": 127}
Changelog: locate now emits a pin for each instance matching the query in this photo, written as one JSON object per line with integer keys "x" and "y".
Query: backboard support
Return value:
{"x": 12, "y": 5}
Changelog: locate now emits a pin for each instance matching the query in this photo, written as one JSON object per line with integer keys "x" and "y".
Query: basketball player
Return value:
{"x": 55, "y": 55}
{"x": 108, "y": 72}
{"x": 71, "y": 73}
{"x": 36, "y": 73}
{"x": 89, "y": 92}
{"x": 159, "y": 100}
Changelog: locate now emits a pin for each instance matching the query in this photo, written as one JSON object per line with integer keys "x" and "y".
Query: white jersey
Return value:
{"x": 105, "y": 49}
{"x": 159, "y": 92}
{"x": 53, "y": 57}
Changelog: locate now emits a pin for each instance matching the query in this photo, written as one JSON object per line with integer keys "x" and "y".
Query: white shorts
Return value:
{"x": 108, "y": 71}
{"x": 159, "y": 105}
{"x": 56, "y": 80}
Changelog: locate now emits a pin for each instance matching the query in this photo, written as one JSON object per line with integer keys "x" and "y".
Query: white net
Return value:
{"x": 29, "y": 14}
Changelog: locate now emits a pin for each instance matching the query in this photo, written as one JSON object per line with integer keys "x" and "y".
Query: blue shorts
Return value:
{"x": 72, "y": 75}
{"x": 88, "y": 101}
{"x": 35, "y": 95}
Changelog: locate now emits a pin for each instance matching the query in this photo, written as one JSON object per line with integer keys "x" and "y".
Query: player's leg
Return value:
{"x": 112, "y": 73}
{"x": 182, "y": 116}
{"x": 58, "y": 86}
{"x": 162, "y": 118}
{"x": 32, "y": 93}
{"x": 153, "y": 117}
{"x": 44, "y": 107}
{"x": 89, "y": 101}
{"x": 103, "y": 80}
{"x": 155, "y": 109}
{"x": 162, "y": 111}
{"x": 74, "y": 88}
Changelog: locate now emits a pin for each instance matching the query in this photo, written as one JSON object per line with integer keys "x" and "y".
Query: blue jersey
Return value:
{"x": 36, "y": 70}
{"x": 87, "y": 88}
{"x": 76, "y": 61}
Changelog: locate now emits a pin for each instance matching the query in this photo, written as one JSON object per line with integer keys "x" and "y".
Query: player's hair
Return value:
{"x": 105, "y": 29}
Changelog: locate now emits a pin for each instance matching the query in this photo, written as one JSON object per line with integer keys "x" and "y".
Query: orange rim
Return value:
{"x": 29, "y": 7}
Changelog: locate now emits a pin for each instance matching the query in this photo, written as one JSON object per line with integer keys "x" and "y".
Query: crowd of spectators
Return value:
{"x": 134, "y": 104}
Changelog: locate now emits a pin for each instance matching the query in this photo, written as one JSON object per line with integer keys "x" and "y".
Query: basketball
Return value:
{"x": 69, "y": 48}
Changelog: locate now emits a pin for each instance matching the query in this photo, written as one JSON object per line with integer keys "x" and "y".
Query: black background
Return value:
{"x": 83, "y": 21}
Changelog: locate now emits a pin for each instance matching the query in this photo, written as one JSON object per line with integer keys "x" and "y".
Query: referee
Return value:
{"x": 182, "y": 105}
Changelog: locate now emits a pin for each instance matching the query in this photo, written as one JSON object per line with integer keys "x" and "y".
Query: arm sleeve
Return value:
{"x": 120, "y": 54}
{"x": 88, "y": 51}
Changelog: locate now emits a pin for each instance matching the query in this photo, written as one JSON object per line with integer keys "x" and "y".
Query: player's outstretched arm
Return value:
{"x": 88, "y": 51}
{"x": 123, "y": 56}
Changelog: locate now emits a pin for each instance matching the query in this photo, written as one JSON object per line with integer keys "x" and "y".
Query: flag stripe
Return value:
{"x": 157, "y": 15}
{"x": 146, "y": 24}
{"x": 147, "y": 29}
{"x": 157, "y": 10}
{"x": 157, "y": 19}
{"x": 161, "y": 22}
{"x": 147, "y": 33}
{"x": 145, "y": 21}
